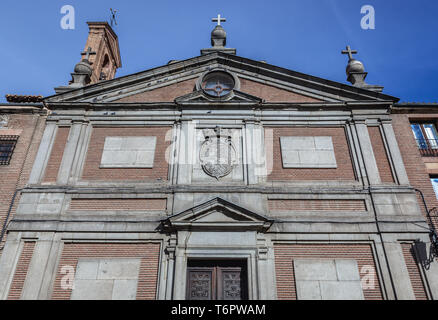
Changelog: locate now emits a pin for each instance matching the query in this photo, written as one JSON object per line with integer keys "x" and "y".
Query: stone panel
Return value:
{"x": 93, "y": 171}
{"x": 329, "y": 165}
{"x": 327, "y": 279}
{"x": 128, "y": 152}
{"x": 307, "y": 152}
{"x": 351, "y": 261}
{"x": 106, "y": 279}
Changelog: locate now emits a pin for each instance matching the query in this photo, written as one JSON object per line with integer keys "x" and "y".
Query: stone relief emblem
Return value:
{"x": 4, "y": 119}
{"x": 217, "y": 154}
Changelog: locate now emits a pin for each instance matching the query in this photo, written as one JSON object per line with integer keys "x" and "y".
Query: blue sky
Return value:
{"x": 303, "y": 35}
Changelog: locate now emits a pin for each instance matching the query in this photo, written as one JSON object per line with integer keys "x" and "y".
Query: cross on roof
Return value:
{"x": 113, "y": 17}
{"x": 218, "y": 20}
{"x": 349, "y": 52}
{"x": 88, "y": 53}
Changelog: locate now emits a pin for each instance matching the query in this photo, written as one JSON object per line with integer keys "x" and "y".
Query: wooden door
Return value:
{"x": 209, "y": 280}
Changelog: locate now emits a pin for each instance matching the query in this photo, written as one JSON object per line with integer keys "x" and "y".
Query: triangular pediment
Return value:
{"x": 217, "y": 214}
{"x": 260, "y": 80}
{"x": 200, "y": 96}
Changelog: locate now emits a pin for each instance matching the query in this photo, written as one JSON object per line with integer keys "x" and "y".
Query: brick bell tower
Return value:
{"x": 100, "y": 59}
{"x": 104, "y": 44}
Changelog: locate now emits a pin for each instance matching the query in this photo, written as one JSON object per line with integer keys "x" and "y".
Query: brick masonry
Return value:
{"x": 286, "y": 253}
{"x": 118, "y": 204}
{"x": 414, "y": 271}
{"x": 92, "y": 171}
{"x": 414, "y": 163}
{"x": 30, "y": 129}
{"x": 52, "y": 168}
{"x": 316, "y": 205}
{"x": 271, "y": 93}
{"x": 263, "y": 91}
{"x": 344, "y": 170}
{"x": 21, "y": 271}
{"x": 381, "y": 155}
{"x": 148, "y": 252}
{"x": 164, "y": 94}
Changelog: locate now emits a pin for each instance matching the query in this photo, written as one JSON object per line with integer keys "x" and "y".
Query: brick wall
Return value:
{"x": 415, "y": 168}
{"x": 344, "y": 170}
{"x": 30, "y": 128}
{"x": 148, "y": 275}
{"x": 414, "y": 272}
{"x": 92, "y": 171}
{"x": 286, "y": 253}
{"x": 118, "y": 204}
{"x": 316, "y": 205}
{"x": 381, "y": 155}
{"x": 52, "y": 168}
{"x": 21, "y": 271}
{"x": 163, "y": 94}
{"x": 272, "y": 94}
{"x": 263, "y": 91}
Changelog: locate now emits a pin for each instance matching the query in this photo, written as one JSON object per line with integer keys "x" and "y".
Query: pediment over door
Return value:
{"x": 217, "y": 214}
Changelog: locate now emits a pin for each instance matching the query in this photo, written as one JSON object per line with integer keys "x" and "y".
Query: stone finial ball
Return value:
{"x": 355, "y": 66}
{"x": 218, "y": 33}
{"x": 83, "y": 67}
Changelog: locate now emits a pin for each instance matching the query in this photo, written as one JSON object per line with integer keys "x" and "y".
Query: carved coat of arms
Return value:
{"x": 217, "y": 154}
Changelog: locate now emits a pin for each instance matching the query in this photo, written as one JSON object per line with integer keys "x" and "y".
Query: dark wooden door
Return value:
{"x": 216, "y": 280}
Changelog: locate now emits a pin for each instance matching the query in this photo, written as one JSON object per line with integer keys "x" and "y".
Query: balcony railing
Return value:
{"x": 428, "y": 147}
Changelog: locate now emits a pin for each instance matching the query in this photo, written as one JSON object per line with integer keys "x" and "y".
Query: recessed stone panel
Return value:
{"x": 106, "y": 279}
{"x": 308, "y": 152}
{"x": 327, "y": 279}
{"x": 128, "y": 152}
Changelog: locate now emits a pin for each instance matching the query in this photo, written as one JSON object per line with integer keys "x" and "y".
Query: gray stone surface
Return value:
{"x": 124, "y": 290}
{"x": 118, "y": 269}
{"x": 92, "y": 290}
{"x": 328, "y": 279}
{"x": 308, "y": 152}
{"x": 128, "y": 152}
{"x": 106, "y": 279}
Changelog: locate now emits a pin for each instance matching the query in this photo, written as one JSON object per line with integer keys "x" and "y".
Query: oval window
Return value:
{"x": 218, "y": 84}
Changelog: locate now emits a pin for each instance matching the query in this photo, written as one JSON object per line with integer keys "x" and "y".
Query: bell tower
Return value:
{"x": 103, "y": 40}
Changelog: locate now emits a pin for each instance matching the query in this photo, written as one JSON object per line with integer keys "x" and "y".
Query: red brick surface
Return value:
{"x": 148, "y": 252}
{"x": 52, "y": 168}
{"x": 118, "y": 204}
{"x": 14, "y": 176}
{"x": 92, "y": 171}
{"x": 163, "y": 94}
{"x": 316, "y": 205}
{"x": 263, "y": 91}
{"x": 286, "y": 253}
{"x": 414, "y": 272}
{"x": 271, "y": 93}
{"x": 381, "y": 155}
{"x": 21, "y": 271}
{"x": 416, "y": 170}
{"x": 344, "y": 170}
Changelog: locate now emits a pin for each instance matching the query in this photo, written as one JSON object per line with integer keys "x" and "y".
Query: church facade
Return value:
{"x": 217, "y": 177}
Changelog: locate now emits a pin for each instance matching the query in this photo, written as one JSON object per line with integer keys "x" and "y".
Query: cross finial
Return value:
{"x": 113, "y": 17}
{"x": 349, "y": 52}
{"x": 218, "y": 20}
{"x": 88, "y": 53}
